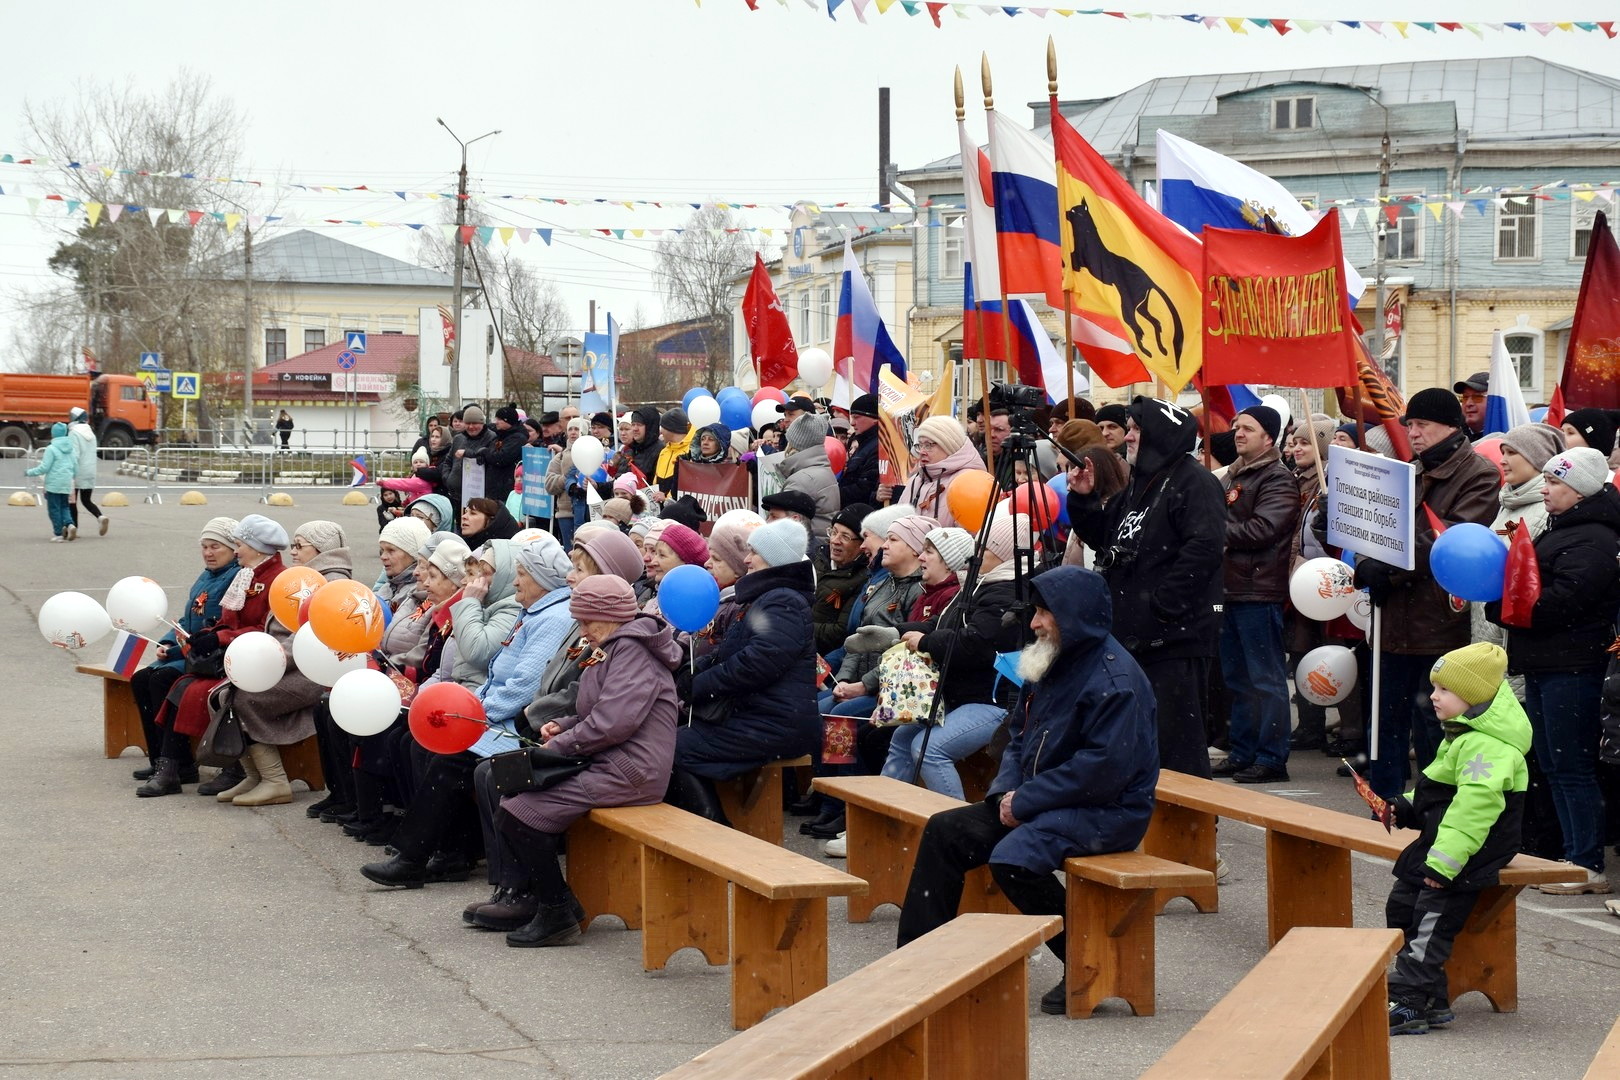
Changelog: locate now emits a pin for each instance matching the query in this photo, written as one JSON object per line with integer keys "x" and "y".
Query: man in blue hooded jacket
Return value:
{"x": 1077, "y": 778}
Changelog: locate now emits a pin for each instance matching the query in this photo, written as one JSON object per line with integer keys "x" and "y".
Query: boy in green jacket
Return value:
{"x": 1468, "y": 805}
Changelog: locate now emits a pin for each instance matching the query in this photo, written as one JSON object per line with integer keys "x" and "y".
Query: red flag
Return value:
{"x": 1592, "y": 371}
{"x": 1275, "y": 308}
{"x": 769, "y": 337}
{"x": 1381, "y": 403}
{"x": 1521, "y": 583}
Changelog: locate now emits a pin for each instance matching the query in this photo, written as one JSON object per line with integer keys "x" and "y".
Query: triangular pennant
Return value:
{"x": 93, "y": 212}
{"x": 231, "y": 222}
{"x": 1436, "y": 209}
{"x": 114, "y": 211}
{"x": 1235, "y": 25}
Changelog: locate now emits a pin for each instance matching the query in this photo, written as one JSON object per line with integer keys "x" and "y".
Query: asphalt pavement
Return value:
{"x": 178, "y": 937}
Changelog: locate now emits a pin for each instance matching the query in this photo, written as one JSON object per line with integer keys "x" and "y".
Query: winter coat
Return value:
{"x": 501, "y": 459}
{"x": 560, "y": 476}
{"x": 405, "y": 639}
{"x": 515, "y": 670}
{"x": 765, "y": 668}
{"x": 836, "y": 587}
{"x": 625, "y": 721}
{"x": 929, "y": 483}
{"x": 202, "y": 609}
{"x": 1262, "y": 511}
{"x": 644, "y": 454}
{"x": 972, "y": 640}
{"x": 1083, "y": 760}
{"x": 1469, "y": 803}
{"x": 481, "y": 627}
{"x": 1572, "y": 624}
{"x": 60, "y": 463}
{"x": 888, "y": 602}
{"x": 808, "y": 471}
{"x": 858, "y": 482}
{"x": 84, "y": 437}
{"x": 1419, "y": 618}
{"x": 503, "y": 526}
{"x": 187, "y": 705}
{"x": 558, "y": 690}
{"x": 453, "y": 464}
{"x": 669, "y": 455}
{"x": 283, "y": 715}
{"x": 1170, "y": 524}
{"x": 1517, "y": 502}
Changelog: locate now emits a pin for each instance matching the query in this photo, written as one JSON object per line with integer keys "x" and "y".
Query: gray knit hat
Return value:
{"x": 780, "y": 542}
{"x": 878, "y": 521}
{"x": 807, "y": 431}
{"x": 472, "y": 414}
{"x": 261, "y": 534}
{"x": 729, "y": 544}
{"x": 544, "y": 560}
{"x": 321, "y": 535}
{"x": 221, "y": 530}
{"x": 1582, "y": 468}
{"x": 1534, "y": 442}
{"x": 954, "y": 545}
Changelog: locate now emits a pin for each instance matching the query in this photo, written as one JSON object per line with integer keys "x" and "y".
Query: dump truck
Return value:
{"x": 121, "y": 412}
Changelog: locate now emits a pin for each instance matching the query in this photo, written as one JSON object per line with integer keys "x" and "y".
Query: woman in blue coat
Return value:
{"x": 58, "y": 467}
{"x": 171, "y": 762}
{"x": 764, "y": 668}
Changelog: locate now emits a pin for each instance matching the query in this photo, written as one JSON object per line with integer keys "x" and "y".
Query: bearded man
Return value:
{"x": 1077, "y": 777}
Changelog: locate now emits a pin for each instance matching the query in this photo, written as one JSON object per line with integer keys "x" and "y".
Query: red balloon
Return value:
{"x": 1491, "y": 451}
{"x": 447, "y": 718}
{"x": 1045, "y": 507}
{"x": 769, "y": 393}
{"x": 837, "y": 454}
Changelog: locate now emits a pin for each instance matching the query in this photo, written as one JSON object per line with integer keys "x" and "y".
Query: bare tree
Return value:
{"x": 695, "y": 271}
{"x": 533, "y": 315}
{"x": 42, "y": 342}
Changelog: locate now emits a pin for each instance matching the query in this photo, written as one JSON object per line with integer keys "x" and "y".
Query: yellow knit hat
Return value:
{"x": 1473, "y": 672}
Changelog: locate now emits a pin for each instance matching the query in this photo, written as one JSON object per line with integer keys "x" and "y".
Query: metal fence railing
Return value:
{"x": 222, "y": 437}
{"x": 262, "y": 469}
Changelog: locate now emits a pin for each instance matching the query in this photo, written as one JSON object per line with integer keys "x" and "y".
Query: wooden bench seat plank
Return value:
{"x": 1327, "y": 999}
{"x": 1134, "y": 870}
{"x": 756, "y": 865}
{"x": 849, "y": 1023}
{"x": 1607, "y": 1062}
{"x": 896, "y": 798}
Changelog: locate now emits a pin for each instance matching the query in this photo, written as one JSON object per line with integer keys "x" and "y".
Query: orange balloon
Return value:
{"x": 290, "y": 590}
{"x": 346, "y": 617}
{"x": 970, "y": 497}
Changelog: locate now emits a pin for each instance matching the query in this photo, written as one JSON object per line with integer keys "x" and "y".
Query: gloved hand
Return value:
{"x": 1373, "y": 576}
{"x": 1406, "y": 817}
{"x": 683, "y": 683}
{"x": 204, "y": 642}
{"x": 871, "y": 639}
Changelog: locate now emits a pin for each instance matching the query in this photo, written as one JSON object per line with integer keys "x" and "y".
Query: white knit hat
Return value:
{"x": 406, "y": 533}
{"x": 1581, "y": 467}
{"x": 878, "y": 521}
{"x": 954, "y": 545}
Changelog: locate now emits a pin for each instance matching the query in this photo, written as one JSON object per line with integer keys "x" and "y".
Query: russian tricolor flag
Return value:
{"x": 861, "y": 345}
{"x": 128, "y": 650}
{"x": 1023, "y": 174}
{"x": 1037, "y": 361}
{"x": 1504, "y": 401}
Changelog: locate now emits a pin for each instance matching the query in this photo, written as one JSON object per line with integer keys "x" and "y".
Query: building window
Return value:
{"x": 824, "y": 314}
{"x": 275, "y": 345}
{"x": 314, "y": 339}
{"x": 803, "y": 302}
{"x": 1293, "y": 114}
{"x": 1583, "y": 215}
{"x": 1403, "y": 237}
{"x": 953, "y": 245}
{"x": 1516, "y": 234}
{"x": 1524, "y": 347}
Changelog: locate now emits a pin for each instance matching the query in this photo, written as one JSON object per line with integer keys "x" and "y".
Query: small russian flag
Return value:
{"x": 128, "y": 650}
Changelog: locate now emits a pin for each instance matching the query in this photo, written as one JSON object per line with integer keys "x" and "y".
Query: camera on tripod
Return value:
{"x": 1019, "y": 401}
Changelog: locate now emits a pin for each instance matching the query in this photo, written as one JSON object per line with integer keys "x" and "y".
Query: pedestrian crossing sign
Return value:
{"x": 186, "y": 384}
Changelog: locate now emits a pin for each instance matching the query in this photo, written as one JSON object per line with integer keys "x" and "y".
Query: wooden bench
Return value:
{"x": 883, "y": 822}
{"x": 1607, "y": 1063}
{"x": 1109, "y": 924}
{"x": 1315, "y": 1006}
{"x": 1308, "y": 872}
{"x": 121, "y": 725}
{"x": 753, "y": 801}
{"x": 952, "y": 1005}
{"x": 776, "y": 940}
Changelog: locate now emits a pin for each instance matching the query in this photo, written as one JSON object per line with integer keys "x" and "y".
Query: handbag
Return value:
{"x": 717, "y": 711}
{"x": 906, "y": 684}
{"x": 206, "y": 665}
{"x": 533, "y": 768}
{"x": 224, "y": 741}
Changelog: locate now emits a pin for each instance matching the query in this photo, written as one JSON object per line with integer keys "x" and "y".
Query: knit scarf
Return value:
{"x": 236, "y": 593}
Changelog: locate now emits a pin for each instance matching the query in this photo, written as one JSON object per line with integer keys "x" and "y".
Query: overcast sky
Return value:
{"x": 636, "y": 99}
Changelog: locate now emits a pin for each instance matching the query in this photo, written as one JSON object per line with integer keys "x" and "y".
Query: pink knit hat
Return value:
{"x": 913, "y": 531}
{"x": 687, "y": 545}
{"x": 602, "y": 598}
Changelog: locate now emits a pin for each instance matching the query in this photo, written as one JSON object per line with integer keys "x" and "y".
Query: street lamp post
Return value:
{"x": 454, "y": 359}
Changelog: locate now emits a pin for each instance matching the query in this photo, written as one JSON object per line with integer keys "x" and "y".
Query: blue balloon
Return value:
{"x": 692, "y": 395}
{"x": 736, "y": 412}
{"x": 600, "y": 475}
{"x": 1538, "y": 416}
{"x": 388, "y": 614}
{"x": 1060, "y": 484}
{"x": 1469, "y": 561}
{"x": 733, "y": 392}
{"x": 688, "y": 597}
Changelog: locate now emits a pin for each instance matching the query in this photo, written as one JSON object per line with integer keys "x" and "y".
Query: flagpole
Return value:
{"x": 1068, "y": 307}
{"x": 970, "y": 175}
{"x": 1001, "y": 265}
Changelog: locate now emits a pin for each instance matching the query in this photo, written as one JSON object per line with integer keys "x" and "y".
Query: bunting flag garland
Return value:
{"x": 1235, "y": 24}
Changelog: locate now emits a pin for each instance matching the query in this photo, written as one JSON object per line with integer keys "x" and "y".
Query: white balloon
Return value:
{"x": 1322, "y": 589}
{"x": 1360, "y": 613}
{"x": 137, "y": 604}
{"x": 72, "y": 620}
{"x": 364, "y": 702}
{"x": 318, "y": 663}
{"x": 768, "y": 411}
{"x": 703, "y": 411}
{"x": 1326, "y": 674}
{"x": 589, "y": 453}
{"x": 815, "y": 367}
{"x": 255, "y": 661}
{"x": 1279, "y": 403}
{"x": 736, "y": 518}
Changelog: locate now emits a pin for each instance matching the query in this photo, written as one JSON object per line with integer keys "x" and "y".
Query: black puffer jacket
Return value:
{"x": 1572, "y": 624}
{"x": 500, "y": 460}
{"x": 1166, "y": 533}
{"x": 859, "y": 480}
{"x": 644, "y": 454}
{"x": 452, "y": 464}
{"x": 1262, "y": 509}
{"x": 972, "y": 640}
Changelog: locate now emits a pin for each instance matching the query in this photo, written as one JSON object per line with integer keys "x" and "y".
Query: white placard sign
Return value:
{"x": 1370, "y": 503}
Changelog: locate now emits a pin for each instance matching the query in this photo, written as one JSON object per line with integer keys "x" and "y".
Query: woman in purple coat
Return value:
{"x": 625, "y": 720}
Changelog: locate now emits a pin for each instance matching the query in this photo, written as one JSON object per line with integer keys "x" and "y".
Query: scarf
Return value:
{"x": 236, "y": 593}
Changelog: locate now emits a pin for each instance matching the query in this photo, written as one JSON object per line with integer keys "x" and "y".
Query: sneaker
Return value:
{"x": 1612, "y": 907}
{"x": 56, "y": 539}
{"x": 837, "y": 847}
{"x": 1594, "y": 882}
{"x": 1439, "y": 1014}
{"x": 1261, "y": 774}
{"x": 105, "y": 521}
{"x": 1407, "y": 1019}
{"x": 1221, "y": 870}
{"x": 1055, "y": 1002}
{"x": 71, "y": 532}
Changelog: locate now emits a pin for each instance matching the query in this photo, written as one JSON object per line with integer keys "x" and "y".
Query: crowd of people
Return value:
{"x": 1152, "y": 631}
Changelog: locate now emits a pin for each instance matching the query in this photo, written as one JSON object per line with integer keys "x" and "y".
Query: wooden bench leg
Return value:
{"x": 882, "y": 851}
{"x": 753, "y": 803}
{"x": 901, "y": 1058}
{"x": 302, "y": 761}
{"x": 778, "y": 953}
{"x": 1187, "y": 837}
{"x": 1110, "y": 947}
{"x": 956, "y": 1042}
{"x": 981, "y": 894}
{"x": 120, "y": 719}
{"x": 1307, "y": 884}
{"x": 604, "y": 871}
{"x": 1360, "y": 1051}
{"x": 1485, "y": 955}
{"x": 681, "y": 906}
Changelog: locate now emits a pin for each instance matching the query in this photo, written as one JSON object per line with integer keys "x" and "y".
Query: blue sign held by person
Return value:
{"x": 536, "y": 502}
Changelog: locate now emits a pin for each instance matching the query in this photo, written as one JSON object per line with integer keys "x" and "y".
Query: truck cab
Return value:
{"x": 122, "y": 412}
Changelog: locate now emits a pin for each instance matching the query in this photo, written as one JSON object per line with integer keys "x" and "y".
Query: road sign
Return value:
{"x": 151, "y": 361}
{"x": 148, "y": 379}
{"x": 346, "y": 359}
{"x": 187, "y": 384}
{"x": 159, "y": 380}
{"x": 357, "y": 341}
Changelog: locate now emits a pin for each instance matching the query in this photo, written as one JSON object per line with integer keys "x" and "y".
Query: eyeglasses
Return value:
{"x": 299, "y": 545}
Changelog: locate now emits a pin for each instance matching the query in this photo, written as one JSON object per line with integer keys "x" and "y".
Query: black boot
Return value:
{"x": 398, "y": 871}
{"x": 695, "y": 795}
{"x": 553, "y": 924}
{"x": 144, "y": 773}
{"x": 227, "y": 778}
{"x": 165, "y": 780}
